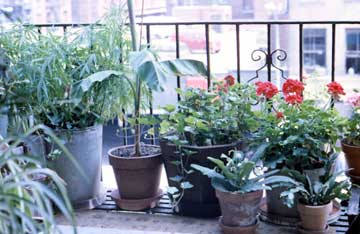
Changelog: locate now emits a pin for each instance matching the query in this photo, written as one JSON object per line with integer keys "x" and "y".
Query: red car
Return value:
{"x": 195, "y": 40}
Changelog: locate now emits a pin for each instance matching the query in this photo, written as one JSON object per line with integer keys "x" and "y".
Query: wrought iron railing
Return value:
{"x": 267, "y": 55}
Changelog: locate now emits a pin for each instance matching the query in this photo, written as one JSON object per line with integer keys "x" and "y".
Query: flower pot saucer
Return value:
{"x": 301, "y": 230}
{"x": 136, "y": 204}
{"x": 293, "y": 221}
{"x": 239, "y": 229}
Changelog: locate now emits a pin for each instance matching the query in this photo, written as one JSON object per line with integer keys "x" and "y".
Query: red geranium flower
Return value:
{"x": 335, "y": 89}
{"x": 293, "y": 99}
{"x": 266, "y": 89}
{"x": 230, "y": 80}
{"x": 279, "y": 115}
{"x": 293, "y": 87}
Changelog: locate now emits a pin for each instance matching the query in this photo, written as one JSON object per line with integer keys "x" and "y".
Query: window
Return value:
{"x": 314, "y": 47}
{"x": 353, "y": 50}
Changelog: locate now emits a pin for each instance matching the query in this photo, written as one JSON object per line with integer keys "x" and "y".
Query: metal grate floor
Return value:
{"x": 164, "y": 208}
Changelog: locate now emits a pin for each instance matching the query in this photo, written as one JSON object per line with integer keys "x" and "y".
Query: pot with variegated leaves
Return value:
{"x": 239, "y": 185}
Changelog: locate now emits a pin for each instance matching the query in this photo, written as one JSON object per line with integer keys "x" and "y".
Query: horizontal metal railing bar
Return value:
{"x": 249, "y": 22}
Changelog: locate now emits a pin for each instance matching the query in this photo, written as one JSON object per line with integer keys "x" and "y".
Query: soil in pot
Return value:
{"x": 352, "y": 155}
{"x": 200, "y": 200}
{"x": 314, "y": 218}
{"x": 137, "y": 178}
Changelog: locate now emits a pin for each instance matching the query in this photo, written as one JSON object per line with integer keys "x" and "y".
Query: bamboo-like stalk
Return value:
{"x": 137, "y": 97}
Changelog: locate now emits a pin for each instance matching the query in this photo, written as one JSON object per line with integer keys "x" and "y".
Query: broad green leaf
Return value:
{"x": 154, "y": 74}
{"x": 82, "y": 86}
{"x": 211, "y": 173}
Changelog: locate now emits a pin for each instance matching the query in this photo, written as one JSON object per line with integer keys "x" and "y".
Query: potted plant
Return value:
{"x": 316, "y": 197}
{"x": 137, "y": 167}
{"x": 205, "y": 123}
{"x": 296, "y": 134}
{"x": 351, "y": 142}
{"x": 239, "y": 185}
{"x": 62, "y": 96}
{"x": 28, "y": 203}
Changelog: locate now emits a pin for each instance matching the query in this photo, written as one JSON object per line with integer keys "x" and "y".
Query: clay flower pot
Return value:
{"x": 239, "y": 211}
{"x": 352, "y": 155}
{"x": 314, "y": 218}
{"x": 137, "y": 178}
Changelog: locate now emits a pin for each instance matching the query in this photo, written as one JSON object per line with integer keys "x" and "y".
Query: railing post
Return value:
{"x": 268, "y": 59}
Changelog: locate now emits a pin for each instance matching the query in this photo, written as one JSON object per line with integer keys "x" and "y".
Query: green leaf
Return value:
{"x": 186, "y": 185}
{"x": 154, "y": 74}
{"x": 172, "y": 190}
{"x": 169, "y": 108}
{"x": 211, "y": 173}
{"x": 176, "y": 178}
{"x": 82, "y": 86}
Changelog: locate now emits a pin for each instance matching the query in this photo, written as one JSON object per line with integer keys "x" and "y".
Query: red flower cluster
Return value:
{"x": 292, "y": 90}
{"x": 335, "y": 89}
{"x": 293, "y": 87}
{"x": 230, "y": 80}
{"x": 279, "y": 115}
{"x": 293, "y": 99}
{"x": 224, "y": 85}
{"x": 266, "y": 89}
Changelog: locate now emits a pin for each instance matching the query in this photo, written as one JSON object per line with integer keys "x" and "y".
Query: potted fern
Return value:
{"x": 315, "y": 198}
{"x": 239, "y": 186}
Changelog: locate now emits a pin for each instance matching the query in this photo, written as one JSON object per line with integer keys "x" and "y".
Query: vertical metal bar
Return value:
{"x": 147, "y": 35}
{"x": 64, "y": 29}
{"x": 207, "y": 39}
{"x": 150, "y": 92}
{"x": 268, "y": 59}
{"x": 178, "y": 85}
{"x": 333, "y": 40}
{"x": 301, "y": 61}
{"x": 238, "y": 52}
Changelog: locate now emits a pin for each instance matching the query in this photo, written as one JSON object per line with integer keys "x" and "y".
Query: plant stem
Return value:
{"x": 130, "y": 4}
{"x": 137, "y": 116}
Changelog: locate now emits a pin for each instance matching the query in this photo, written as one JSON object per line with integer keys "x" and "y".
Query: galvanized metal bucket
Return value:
{"x": 86, "y": 147}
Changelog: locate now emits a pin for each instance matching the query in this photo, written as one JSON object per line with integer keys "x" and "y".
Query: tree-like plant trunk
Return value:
{"x": 130, "y": 4}
{"x": 137, "y": 97}
{"x": 137, "y": 116}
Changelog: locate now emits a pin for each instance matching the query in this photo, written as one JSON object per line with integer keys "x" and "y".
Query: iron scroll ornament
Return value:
{"x": 260, "y": 54}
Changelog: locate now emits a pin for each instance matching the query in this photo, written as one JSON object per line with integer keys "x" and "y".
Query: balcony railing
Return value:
{"x": 269, "y": 55}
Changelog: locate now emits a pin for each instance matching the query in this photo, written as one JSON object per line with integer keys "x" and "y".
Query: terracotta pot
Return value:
{"x": 240, "y": 210}
{"x": 199, "y": 201}
{"x": 314, "y": 218}
{"x": 137, "y": 178}
{"x": 352, "y": 155}
{"x": 239, "y": 230}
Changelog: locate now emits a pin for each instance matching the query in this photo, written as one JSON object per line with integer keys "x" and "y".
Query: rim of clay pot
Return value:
{"x": 235, "y": 195}
{"x": 61, "y": 130}
{"x": 206, "y": 146}
{"x": 348, "y": 145}
{"x": 313, "y": 209}
{"x": 110, "y": 154}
